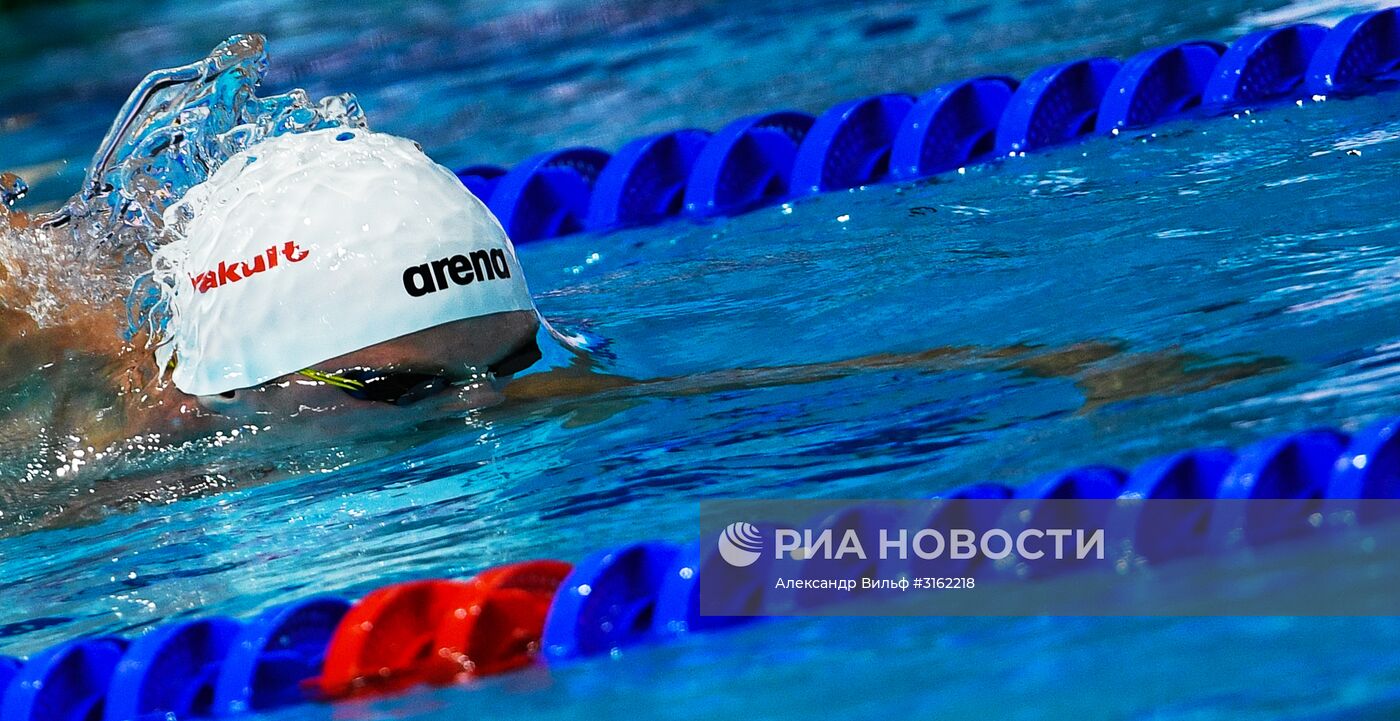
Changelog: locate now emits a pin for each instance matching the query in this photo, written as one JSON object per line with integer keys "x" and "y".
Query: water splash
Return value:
{"x": 75, "y": 284}
{"x": 176, "y": 129}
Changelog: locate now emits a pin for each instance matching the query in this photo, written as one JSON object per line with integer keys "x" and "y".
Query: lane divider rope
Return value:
{"x": 443, "y": 631}
{"x": 764, "y": 159}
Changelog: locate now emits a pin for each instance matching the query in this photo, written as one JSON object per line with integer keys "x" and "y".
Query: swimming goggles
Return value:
{"x": 397, "y": 388}
{"x": 403, "y": 388}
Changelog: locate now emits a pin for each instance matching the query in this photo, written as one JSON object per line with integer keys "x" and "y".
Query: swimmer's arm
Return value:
{"x": 1103, "y": 370}
{"x": 582, "y": 378}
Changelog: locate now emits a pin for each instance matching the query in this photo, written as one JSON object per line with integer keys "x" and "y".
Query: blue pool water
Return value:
{"x": 1207, "y": 282}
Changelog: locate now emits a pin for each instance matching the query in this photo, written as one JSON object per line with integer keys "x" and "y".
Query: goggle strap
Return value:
{"x": 332, "y": 379}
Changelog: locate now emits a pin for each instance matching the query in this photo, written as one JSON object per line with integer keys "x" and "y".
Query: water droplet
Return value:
{"x": 12, "y": 188}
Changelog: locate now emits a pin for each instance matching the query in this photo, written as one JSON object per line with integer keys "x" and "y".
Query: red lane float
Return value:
{"x": 440, "y": 631}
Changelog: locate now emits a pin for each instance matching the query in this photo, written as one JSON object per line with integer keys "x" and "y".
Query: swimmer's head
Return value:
{"x": 329, "y": 247}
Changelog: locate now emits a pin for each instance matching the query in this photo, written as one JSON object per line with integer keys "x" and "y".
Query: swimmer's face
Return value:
{"x": 457, "y": 352}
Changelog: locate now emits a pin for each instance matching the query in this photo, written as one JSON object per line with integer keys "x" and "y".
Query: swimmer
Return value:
{"x": 338, "y": 276}
{"x": 325, "y": 270}
{"x": 328, "y": 270}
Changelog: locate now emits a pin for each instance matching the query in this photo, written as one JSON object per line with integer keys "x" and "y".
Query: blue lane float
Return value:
{"x": 1165, "y": 533}
{"x": 863, "y": 520}
{"x": 1293, "y": 467}
{"x": 1083, "y": 482}
{"x": 9, "y": 667}
{"x": 849, "y": 145}
{"x": 1263, "y": 66}
{"x": 951, "y": 126}
{"x": 1030, "y": 509}
{"x": 678, "y": 599}
{"x": 272, "y": 655}
{"x": 954, "y": 513}
{"x": 170, "y": 671}
{"x": 1369, "y": 468}
{"x": 1360, "y": 52}
{"x": 65, "y": 683}
{"x": 1193, "y": 474}
{"x": 646, "y": 179}
{"x": 746, "y": 164}
{"x": 608, "y": 601}
{"x": 481, "y": 179}
{"x": 1287, "y": 467}
{"x": 1158, "y": 84}
{"x": 548, "y": 195}
{"x": 1056, "y": 104}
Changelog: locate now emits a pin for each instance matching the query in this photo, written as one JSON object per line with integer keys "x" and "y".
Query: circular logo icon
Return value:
{"x": 740, "y": 544}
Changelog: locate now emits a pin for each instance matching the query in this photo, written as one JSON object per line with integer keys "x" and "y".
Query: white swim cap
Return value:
{"x": 308, "y": 246}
